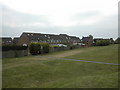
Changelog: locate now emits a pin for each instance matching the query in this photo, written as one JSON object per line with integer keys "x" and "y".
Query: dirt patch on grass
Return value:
{"x": 33, "y": 59}
{"x": 67, "y": 53}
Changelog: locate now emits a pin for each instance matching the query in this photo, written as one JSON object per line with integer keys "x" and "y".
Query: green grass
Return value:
{"x": 103, "y": 54}
{"x": 38, "y": 72}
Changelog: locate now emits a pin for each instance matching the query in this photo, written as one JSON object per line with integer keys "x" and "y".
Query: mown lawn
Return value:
{"x": 42, "y": 72}
{"x": 101, "y": 54}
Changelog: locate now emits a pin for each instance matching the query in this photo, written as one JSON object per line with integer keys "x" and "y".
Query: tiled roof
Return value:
{"x": 39, "y": 36}
{"x": 6, "y": 38}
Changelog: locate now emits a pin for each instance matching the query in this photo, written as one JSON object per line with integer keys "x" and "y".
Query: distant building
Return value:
{"x": 27, "y": 38}
{"x": 87, "y": 41}
{"x": 6, "y": 41}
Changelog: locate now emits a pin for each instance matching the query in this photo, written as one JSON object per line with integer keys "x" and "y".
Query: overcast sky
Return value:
{"x": 73, "y": 17}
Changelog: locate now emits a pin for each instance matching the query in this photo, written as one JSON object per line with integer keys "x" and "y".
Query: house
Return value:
{"x": 54, "y": 39}
{"x": 27, "y": 38}
{"x": 65, "y": 38}
{"x": 88, "y": 41}
{"x": 15, "y": 40}
{"x": 70, "y": 39}
{"x": 6, "y": 41}
{"x": 75, "y": 40}
{"x": 110, "y": 40}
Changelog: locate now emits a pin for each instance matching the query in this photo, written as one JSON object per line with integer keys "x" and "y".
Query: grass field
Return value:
{"x": 42, "y": 72}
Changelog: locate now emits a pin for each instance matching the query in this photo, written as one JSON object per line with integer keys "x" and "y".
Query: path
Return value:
{"x": 77, "y": 60}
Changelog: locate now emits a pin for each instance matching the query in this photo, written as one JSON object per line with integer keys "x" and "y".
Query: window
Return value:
{"x": 24, "y": 44}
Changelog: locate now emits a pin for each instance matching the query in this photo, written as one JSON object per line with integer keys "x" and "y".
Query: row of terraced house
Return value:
{"x": 27, "y": 38}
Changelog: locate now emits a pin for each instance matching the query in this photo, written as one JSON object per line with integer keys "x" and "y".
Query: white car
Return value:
{"x": 62, "y": 45}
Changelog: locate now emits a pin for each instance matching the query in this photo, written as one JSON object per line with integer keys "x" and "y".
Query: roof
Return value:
{"x": 15, "y": 39}
{"x": 6, "y": 38}
{"x": 102, "y": 38}
{"x": 39, "y": 36}
{"x": 85, "y": 38}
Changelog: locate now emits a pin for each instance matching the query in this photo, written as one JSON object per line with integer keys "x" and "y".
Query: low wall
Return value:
{"x": 14, "y": 53}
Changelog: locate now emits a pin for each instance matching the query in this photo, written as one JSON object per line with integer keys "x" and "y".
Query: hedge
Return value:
{"x": 39, "y": 48}
{"x": 13, "y": 47}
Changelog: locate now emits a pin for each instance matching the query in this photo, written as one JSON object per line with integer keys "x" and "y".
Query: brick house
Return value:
{"x": 27, "y": 38}
{"x": 15, "y": 40}
{"x": 6, "y": 41}
{"x": 88, "y": 41}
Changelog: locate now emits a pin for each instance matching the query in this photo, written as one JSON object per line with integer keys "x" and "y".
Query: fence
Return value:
{"x": 20, "y": 53}
{"x": 55, "y": 49}
{"x": 14, "y": 53}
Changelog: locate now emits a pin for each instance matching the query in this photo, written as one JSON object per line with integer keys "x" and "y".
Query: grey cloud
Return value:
{"x": 106, "y": 28}
{"x": 85, "y": 15}
{"x": 10, "y": 15}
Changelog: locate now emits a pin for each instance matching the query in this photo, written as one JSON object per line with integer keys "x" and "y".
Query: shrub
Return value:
{"x": 38, "y": 48}
{"x": 32, "y": 48}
